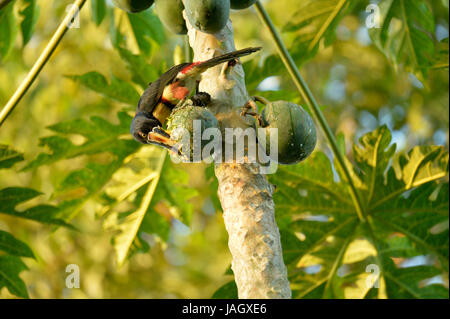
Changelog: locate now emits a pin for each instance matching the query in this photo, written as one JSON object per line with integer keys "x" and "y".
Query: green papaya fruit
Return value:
{"x": 182, "y": 128}
{"x": 241, "y": 4}
{"x": 133, "y": 6}
{"x": 208, "y": 16}
{"x": 296, "y": 131}
{"x": 170, "y": 12}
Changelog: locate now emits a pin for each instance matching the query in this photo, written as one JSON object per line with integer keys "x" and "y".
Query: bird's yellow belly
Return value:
{"x": 161, "y": 112}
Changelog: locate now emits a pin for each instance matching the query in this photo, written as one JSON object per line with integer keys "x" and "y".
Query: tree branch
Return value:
{"x": 245, "y": 194}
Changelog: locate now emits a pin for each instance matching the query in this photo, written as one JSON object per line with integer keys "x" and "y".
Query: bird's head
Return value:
{"x": 142, "y": 124}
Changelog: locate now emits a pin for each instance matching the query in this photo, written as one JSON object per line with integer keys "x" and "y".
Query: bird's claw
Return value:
{"x": 250, "y": 108}
{"x": 201, "y": 99}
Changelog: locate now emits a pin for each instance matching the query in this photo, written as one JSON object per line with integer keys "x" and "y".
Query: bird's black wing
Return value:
{"x": 152, "y": 95}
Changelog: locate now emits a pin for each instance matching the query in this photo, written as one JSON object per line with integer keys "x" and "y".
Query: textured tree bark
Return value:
{"x": 245, "y": 194}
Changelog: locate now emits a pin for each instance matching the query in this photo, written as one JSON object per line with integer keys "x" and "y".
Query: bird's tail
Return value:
{"x": 225, "y": 58}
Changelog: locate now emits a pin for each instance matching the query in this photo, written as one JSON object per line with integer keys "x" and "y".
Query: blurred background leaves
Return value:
{"x": 70, "y": 140}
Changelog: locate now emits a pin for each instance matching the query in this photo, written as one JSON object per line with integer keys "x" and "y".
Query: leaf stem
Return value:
{"x": 307, "y": 95}
{"x": 41, "y": 61}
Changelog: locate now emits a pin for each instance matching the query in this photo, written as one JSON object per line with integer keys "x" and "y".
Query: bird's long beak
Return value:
{"x": 163, "y": 141}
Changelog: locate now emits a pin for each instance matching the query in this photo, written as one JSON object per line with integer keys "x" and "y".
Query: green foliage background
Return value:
{"x": 76, "y": 189}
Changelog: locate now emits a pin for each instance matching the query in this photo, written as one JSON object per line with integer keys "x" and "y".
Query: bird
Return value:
{"x": 161, "y": 96}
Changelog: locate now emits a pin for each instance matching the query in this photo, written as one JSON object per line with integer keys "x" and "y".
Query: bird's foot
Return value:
{"x": 201, "y": 99}
{"x": 250, "y": 108}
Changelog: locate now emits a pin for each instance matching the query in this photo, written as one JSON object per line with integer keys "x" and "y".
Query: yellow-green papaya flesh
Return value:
{"x": 241, "y": 4}
{"x": 181, "y": 122}
{"x": 296, "y": 131}
{"x": 209, "y": 16}
{"x": 133, "y": 6}
{"x": 170, "y": 12}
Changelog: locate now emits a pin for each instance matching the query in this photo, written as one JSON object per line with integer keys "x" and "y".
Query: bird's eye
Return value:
{"x": 143, "y": 135}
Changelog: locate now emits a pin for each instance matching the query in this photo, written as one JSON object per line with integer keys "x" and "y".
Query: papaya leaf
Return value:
{"x": 29, "y": 13}
{"x": 175, "y": 193}
{"x": 9, "y": 157}
{"x": 405, "y": 35}
{"x": 129, "y": 225}
{"x": 331, "y": 253}
{"x": 153, "y": 193}
{"x": 12, "y": 196}
{"x": 142, "y": 72}
{"x": 227, "y": 291}
{"x": 255, "y": 73}
{"x": 8, "y": 30}
{"x": 12, "y": 246}
{"x": 147, "y": 30}
{"x": 11, "y": 265}
{"x": 117, "y": 89}
{"x": 314, "y": 25}
{"x": 101, "y": 137}
{"x": 10, "y": 268}
{"x": 403, "y": 283}
{"x": 98, "y": 11}
{"x": 373, "y": 158}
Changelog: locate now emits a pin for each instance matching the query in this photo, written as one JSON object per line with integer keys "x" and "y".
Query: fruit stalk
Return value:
{"x": 245, "y": 193}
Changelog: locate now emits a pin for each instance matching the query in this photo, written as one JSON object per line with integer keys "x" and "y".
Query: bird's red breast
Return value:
{"x": 179, "y": 92}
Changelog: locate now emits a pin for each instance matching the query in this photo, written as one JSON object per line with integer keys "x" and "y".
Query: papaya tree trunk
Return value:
{"x": 245, "y": 193}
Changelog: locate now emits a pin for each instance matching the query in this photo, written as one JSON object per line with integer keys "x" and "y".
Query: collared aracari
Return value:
{"x": 161, "y": 96}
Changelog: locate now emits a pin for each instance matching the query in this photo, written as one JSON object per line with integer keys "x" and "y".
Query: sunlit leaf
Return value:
{"x": 101, "y": 137}
{"x": 405, "y": 34}
{"x": 331, "y": 253}
{"x": 129, "y": 225}
{"x": 314, "y": 25}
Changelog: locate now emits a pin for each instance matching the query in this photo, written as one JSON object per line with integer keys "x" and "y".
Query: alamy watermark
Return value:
{"x": 373, "y": 280}
{"x": 73, "y": 279}
{"x": 373, "y": 20}
{"x": 235, "y": 145}
{"x": 74, "y": 21}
